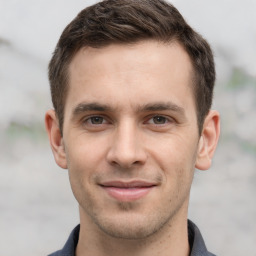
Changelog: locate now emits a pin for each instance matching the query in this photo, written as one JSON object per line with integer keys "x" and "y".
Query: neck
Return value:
{"x": 172, "y": 239}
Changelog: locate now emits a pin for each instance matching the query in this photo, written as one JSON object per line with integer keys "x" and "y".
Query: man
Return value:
{"x": 131, "y": 87}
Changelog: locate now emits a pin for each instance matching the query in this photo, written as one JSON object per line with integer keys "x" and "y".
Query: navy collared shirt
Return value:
{"x": 195, "y": 238}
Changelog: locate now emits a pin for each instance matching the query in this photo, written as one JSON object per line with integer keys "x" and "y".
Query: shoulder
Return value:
{"x": 70, "y": 246}
{"x": 196, "y": 241}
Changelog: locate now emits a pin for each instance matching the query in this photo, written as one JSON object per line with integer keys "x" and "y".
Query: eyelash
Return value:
{"x": 161, "y": 117}
{"x": 89, "y": 120}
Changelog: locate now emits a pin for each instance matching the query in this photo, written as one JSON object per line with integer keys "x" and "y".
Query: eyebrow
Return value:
{"x": 154, "y": 107}
{"x": 84, "y": 107}
{"x": 160, "y": 106}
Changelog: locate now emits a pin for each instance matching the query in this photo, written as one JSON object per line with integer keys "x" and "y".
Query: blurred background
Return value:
{"x": 37, "y": 208}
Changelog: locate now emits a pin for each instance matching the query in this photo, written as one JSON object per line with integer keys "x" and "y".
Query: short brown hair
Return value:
{"x": 130, "y": 21}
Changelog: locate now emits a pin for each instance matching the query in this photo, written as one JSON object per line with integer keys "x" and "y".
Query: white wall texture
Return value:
{"x": 37, "y": 209}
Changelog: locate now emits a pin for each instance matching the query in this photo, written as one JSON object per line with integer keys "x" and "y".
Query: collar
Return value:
{"x": 195, "y": 238}
{"x": 196, "y": 241}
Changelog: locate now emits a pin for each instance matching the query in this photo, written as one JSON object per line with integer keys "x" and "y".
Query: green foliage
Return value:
{"x": 33, "y": 131}
{"x": 240, "y": 79}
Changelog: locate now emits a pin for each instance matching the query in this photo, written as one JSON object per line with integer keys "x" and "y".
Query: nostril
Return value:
{"x": 125, "y": 150}
{"x": 125, "y": 163}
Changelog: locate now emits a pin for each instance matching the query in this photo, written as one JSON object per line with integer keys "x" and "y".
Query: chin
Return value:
{"x": 131, "y": 226}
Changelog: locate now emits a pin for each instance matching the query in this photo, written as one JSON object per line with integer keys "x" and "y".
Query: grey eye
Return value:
{"x": 96, "y": 120}
{"x": 159, "y": 120}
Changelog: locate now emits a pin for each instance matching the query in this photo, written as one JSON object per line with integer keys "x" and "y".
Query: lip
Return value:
{"x": 127, "y": 191}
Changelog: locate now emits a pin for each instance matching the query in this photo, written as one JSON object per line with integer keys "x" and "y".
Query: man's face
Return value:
{"x": 130, "y": 136}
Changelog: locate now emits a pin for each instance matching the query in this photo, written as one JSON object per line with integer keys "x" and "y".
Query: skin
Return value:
{"x": 130, "y": 116}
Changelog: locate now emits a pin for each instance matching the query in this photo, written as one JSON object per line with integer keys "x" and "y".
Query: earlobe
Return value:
{"x": 208, "y": 140}
{"x": 55, "y": 138}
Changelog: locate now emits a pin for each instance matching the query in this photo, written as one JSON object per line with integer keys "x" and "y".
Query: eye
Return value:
{"x": 158, "y": 120}
{"x": 95, "y": 123}
{"x": 95, "y": 120}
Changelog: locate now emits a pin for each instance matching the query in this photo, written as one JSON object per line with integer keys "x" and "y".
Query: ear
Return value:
{"x": 208, "y": 140}
{"x": 55, "y": 138}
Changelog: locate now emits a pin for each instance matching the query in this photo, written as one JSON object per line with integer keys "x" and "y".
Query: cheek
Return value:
{"x": 174, "y": 151}
{"x": 176, "y": 158}
{"x": 83, "y": 160}
{"x": 86, "y": 150}
{"x": 84, "y": 157}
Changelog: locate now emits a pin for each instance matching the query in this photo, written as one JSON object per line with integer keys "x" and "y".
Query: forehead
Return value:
{"x": 122, "y": 73}
{"x": 133, "y": 55}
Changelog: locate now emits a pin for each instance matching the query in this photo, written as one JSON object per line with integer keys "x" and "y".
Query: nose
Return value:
{"x": 126, "y": 148}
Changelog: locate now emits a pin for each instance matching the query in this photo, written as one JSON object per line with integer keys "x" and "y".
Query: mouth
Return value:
{"x": 127, "y": 191}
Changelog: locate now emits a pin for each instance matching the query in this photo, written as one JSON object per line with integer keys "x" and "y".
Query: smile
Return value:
{"x": 127, "y": 191}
